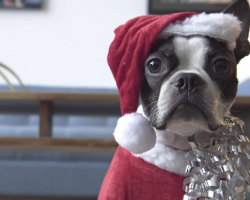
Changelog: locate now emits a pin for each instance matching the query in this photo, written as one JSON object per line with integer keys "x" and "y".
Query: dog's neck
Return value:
{"x": 173, "y": 140}
{"x": 170, "y": 148}
{"x": 177, "y": 141}
{"x": 174, "y": 137}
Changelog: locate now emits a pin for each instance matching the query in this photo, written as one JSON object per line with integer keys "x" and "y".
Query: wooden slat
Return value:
{"x": 241, "y": 104}
{"x": 242, "y": 100}
{"x": 60, "y": 149}
{"x": 49, "y": 96}
{"x": 56, "y": 144}
{"x": 45, "y": 117}
{"x": 53, "y": 144}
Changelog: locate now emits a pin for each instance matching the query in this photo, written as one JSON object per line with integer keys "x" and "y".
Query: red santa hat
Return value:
{"x": 129, "y": 50}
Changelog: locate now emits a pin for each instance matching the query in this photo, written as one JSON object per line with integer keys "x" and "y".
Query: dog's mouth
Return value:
{"x": 188, "y": 106}
{"x": 187, "y": 112}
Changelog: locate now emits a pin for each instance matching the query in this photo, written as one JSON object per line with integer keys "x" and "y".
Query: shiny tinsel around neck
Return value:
{"x": 219, "y": 169}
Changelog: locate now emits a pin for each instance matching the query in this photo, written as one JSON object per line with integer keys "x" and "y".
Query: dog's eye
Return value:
{"x": 221, "y": 67}
{"x": 154, "y": 66}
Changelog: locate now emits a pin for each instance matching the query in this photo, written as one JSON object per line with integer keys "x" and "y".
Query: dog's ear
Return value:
{"x": 240, "y": 9}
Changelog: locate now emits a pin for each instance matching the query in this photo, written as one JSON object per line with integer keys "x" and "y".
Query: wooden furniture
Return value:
{"x": 242, "y": 103}
{"x": 46, "y": 104}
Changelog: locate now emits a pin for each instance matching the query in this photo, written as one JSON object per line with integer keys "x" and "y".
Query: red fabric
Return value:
{"x": 131, "y": 178}
{"x": 128, "y": 51}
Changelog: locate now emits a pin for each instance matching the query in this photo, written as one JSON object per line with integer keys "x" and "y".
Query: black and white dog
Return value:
{"x": 190, "y": 84}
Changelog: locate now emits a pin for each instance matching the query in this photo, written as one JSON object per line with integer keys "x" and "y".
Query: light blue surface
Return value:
{"x": 32, "y": 88}
{"x": 12, "y": 125}
{"x": 51, "y": 178}
{"x": 244, "y": 88}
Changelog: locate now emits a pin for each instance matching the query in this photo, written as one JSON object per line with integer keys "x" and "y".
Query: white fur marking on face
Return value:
{"x": 190, "y": 52}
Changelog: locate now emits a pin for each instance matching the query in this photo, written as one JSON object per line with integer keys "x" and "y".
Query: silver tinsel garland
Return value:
{"x": 219, "y": 169}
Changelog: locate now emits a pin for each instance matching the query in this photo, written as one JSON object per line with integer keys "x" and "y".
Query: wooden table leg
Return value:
{"x": 45, "y": 125}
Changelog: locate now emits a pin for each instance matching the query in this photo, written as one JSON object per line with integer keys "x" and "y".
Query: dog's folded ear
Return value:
{"x": 240, "y": 9}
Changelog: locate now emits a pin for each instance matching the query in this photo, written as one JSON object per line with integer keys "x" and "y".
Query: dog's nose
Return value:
{"x": 188, "y": 81}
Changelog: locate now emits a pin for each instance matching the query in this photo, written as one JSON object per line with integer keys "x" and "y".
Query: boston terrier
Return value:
{"x": 189, "y": 83}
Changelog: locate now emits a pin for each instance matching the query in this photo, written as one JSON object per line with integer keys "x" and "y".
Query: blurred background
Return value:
{"x": 58, "y": 100}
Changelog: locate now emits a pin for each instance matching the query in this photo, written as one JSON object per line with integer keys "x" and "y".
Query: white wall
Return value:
{"x": 66, "y": 44}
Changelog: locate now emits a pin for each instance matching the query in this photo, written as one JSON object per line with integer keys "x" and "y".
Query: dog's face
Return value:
{"x": 189, "y": 85}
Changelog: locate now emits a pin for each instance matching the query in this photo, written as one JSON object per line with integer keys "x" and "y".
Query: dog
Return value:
{"x": 188, "y": 87}
{"x": 190, "y": 84}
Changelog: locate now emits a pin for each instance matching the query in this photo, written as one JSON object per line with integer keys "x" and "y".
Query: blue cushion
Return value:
{"x": 39, "y": 178}
{"x": 11, "y": 119}
{"x": 112, "y": 121}
{"x": 60, "y": 120}
{"x": 84, "y": 121}
{"x": 33, "y": 120}
{"x": 244, "y": 88}
{"x": 18, "y": 131}
{"x": 83, "y": 132}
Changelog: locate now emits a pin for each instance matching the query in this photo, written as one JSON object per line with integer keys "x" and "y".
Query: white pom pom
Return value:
{"x": 134, "y": 133}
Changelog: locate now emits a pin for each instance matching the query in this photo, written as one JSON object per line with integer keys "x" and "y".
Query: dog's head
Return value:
{"x": 190, "y": 82}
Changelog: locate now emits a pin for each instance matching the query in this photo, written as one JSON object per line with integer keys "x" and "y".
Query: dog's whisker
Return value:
{"x": 152, "y": 110}
{"x": 153, "y": 113}
{"x": 151, "y": 104}
{"x": 216, "y": 100}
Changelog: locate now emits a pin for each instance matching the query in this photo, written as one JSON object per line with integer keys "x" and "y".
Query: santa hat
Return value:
{"x": 129, "y": 50}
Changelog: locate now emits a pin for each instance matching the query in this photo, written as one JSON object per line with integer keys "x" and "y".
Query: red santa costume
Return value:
{"x": 141, "y": 168}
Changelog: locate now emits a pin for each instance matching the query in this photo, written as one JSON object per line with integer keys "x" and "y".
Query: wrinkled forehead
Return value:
{"x": 193, "y": 51}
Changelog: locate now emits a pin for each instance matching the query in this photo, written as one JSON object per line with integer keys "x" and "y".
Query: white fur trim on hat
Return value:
{"x": 167, "y": 158}
{"x": 134, "y": 133}
{"x": 220, "y": 26}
